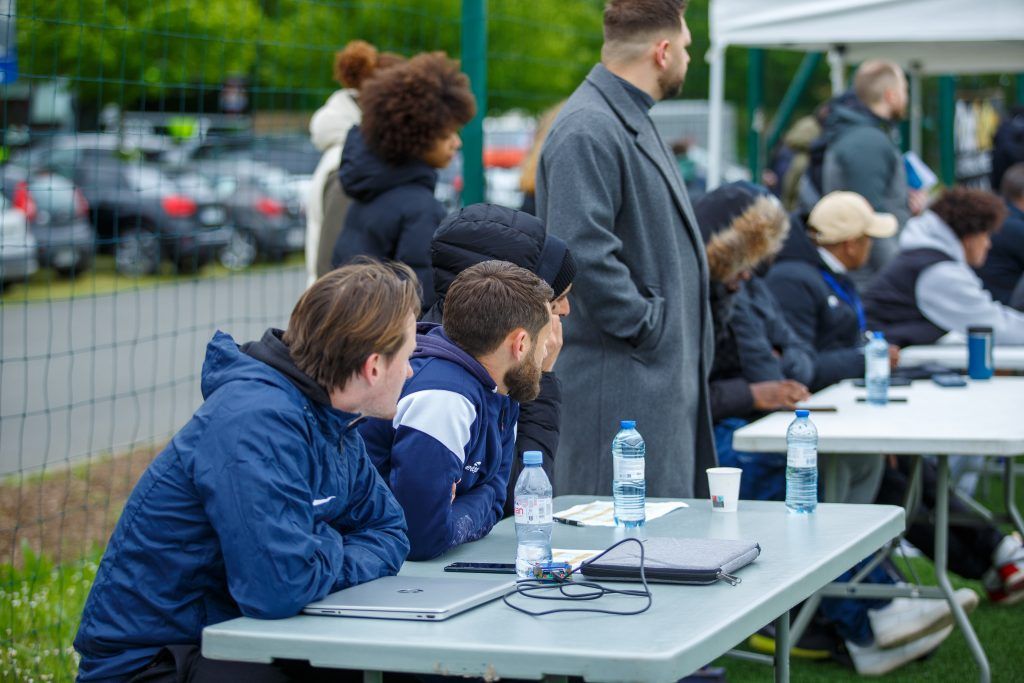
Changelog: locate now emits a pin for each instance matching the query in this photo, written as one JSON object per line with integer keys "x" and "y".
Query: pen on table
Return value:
{"x": 819, "y": 409}
{"x": 892, "y": 399}
{"x": 570, "y": 522}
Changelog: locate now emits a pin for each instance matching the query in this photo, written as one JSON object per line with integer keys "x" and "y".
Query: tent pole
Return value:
{"x": 915, "y": 112}
{"x": 947, "y": 137}
{"x": 716, "y": 58}
{"x": 755, "y": 110}
{"x": 837, "y": 70}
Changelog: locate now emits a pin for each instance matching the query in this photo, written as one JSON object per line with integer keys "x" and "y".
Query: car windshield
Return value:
{"x": 147, "y": 178}
{"x": 53, "y": 194}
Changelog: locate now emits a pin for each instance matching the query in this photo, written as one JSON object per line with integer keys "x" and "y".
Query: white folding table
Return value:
{"x": 954, "y": 356}
{"x": 985, "y": 418}
{"x": 686, "y": 627}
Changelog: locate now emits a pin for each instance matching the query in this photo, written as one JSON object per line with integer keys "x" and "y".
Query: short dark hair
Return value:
{"x": 1012, "y": 185}
{"x": 969, "y": 211}
{"x": 347, "y": 315}
{"x": 408, "y": 107}
{"x": 628, "y": 20}
{"x": 489, "y": 300}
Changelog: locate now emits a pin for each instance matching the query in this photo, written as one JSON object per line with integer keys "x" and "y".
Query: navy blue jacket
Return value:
{"x": 814, "y": 310}
{"x": 452, "y": 427}
{"x": 1004, "y": 266}
{"x": 264, "y": 502}
{"x": 394, "y": 213}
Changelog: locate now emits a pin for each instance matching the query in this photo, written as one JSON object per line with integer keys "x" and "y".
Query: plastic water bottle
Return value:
{"x": 802, "y": 464}
{"x": 533, "y": 515}
{"x": 629, "y": 487}
{"x": 876, "y": 369}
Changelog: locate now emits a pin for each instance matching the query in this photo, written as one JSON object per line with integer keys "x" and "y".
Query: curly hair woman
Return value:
{"x": 931, "y": 288}
{"x": 412, "y": 114}
{"x": 326, "y": 204}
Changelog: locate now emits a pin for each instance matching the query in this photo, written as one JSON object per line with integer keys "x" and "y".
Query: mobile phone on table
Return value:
{"x": 949, "y": 379}
{"x": 482, "y": 567}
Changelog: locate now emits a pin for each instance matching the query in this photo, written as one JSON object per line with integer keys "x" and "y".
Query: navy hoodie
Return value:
{"x": 394, "y": 213}
{"x": 452, "y": 427}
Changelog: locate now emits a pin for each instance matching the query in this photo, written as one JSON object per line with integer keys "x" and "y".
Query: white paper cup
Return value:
{"x": 724, "y": 483}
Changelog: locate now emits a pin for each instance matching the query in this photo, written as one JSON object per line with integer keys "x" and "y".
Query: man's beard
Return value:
{"x": 670, "y": 85}
{"x": 523, "y": 381}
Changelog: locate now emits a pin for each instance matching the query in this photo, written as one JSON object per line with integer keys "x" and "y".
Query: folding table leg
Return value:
{"x": 941, "y": 549}
{"x": 782, "y": 648}
{"x": 1011, "y": 500}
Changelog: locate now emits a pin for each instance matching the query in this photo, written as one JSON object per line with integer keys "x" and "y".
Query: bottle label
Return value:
{"x": 878, "y": 366}
{"x": 629, "y": 469}
{"x": 801, "y": 456}
{"x": 533, "y": 510}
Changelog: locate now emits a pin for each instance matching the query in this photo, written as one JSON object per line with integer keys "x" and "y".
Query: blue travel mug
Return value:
{"x": 979, "y": 352}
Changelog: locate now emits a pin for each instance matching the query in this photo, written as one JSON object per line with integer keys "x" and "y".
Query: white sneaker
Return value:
{"x": 907, "y": 619}
{"x": 875, "y": 661}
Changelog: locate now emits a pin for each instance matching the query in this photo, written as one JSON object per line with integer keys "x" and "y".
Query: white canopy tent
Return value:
{"x": 924, "y": 36}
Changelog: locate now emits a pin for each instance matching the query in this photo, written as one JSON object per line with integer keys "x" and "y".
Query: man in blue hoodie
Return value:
{"x": 449, "y": 450}
{"x": 265, "y": 500}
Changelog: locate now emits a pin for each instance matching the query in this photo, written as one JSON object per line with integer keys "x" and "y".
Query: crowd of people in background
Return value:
{"x": 387, "y": 422}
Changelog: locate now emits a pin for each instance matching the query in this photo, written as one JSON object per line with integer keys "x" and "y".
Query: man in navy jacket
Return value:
{"x": 265, "y": 500}
{"x": 447, "y": 454}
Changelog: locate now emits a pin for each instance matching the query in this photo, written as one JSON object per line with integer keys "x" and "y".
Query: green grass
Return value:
{"x": 40, "y": 605}
{"x": 47, "y": 285}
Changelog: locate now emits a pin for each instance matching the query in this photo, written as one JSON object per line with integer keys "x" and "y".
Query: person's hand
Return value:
{"x": 453, "y": 492}
{"x": 554, "y": 344}
{"x": 917, "y": 200}
{"x": 778, "y": 395}
{"x": 894, "y": 356}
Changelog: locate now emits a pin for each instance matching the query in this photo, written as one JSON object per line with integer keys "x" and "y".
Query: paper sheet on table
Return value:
{"x": 601, "y": 512}
{"x": 571, "y": 556}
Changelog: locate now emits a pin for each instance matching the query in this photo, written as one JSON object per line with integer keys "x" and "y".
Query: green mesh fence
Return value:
{"x": 120, "y": 259}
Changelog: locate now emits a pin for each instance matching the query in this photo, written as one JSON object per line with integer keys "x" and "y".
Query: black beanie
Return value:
{"x": 565, "y": 275}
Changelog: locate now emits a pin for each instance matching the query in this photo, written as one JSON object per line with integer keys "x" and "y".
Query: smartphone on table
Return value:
{"x": 482, "y": 567}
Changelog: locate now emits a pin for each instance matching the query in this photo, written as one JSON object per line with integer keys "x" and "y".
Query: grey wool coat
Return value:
{"x": 639, "y": 341}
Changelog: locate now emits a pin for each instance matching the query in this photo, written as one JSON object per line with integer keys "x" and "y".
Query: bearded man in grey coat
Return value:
{"x": 639, "y": 344}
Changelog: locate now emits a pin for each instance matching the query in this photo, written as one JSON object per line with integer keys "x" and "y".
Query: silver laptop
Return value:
{"x": 407, "y": 597}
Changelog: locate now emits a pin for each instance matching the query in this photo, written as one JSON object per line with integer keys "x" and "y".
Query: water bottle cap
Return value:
{"x": 532, "y": 458}
{"x": 879, "y": 335}
{"x": 803, "y": 413}
{"x": 627, "y": 424}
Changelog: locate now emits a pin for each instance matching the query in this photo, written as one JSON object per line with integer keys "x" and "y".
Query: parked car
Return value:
{"x": 143, "y": 215}
{"x": 263, "y": 202}
{"x": 18, "y": 258}
{"x": 58, "y": 217}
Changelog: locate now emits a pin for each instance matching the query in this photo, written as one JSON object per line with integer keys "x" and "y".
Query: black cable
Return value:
{"x": 532, "y": 588}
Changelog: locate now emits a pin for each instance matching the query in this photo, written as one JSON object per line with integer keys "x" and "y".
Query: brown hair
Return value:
{"x": 489, "y": 300}
{"x": 349, "y": 314}
{"x": 1012, "y": 185}
{"x": 873, "y": 78}
{"x": 408, "y": 107}
{"x": 358, "y": 61}
{"x": 631, "y": 20}
{"x": 528, "y": 171}
{"x": 968, "y": 211}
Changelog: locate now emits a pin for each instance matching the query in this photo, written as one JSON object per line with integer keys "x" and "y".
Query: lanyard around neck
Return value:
{"x": 849, "y": 298}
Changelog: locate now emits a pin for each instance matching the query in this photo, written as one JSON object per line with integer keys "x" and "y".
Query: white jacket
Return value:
{"x": 327, "y": 129}
{"x": 949, "y": 293}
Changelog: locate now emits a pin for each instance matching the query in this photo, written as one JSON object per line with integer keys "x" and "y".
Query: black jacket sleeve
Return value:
{"x": 730, "y": 398}
{"x": 538, "y": 430}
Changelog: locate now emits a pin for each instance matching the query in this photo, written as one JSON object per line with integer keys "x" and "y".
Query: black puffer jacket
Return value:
{"x": 485, "y": 232}
{"x": 814, "y": 311}
{"x": 394, "y": 212}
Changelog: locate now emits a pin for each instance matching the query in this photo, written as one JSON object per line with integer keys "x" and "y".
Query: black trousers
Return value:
{"x": 970, "y": 547}
{"x": 186, "y": 664}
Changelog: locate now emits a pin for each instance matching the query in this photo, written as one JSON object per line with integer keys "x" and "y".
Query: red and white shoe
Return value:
{"x": 1005, "y": 585}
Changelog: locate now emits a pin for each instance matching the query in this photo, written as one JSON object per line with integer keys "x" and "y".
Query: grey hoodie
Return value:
{"x": 950, "y": 294}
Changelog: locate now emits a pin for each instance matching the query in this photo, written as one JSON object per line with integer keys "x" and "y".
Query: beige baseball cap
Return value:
{"x": 842, "y": 216}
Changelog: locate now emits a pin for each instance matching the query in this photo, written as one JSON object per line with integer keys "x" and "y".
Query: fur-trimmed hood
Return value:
{"x": 743, "y": 225}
